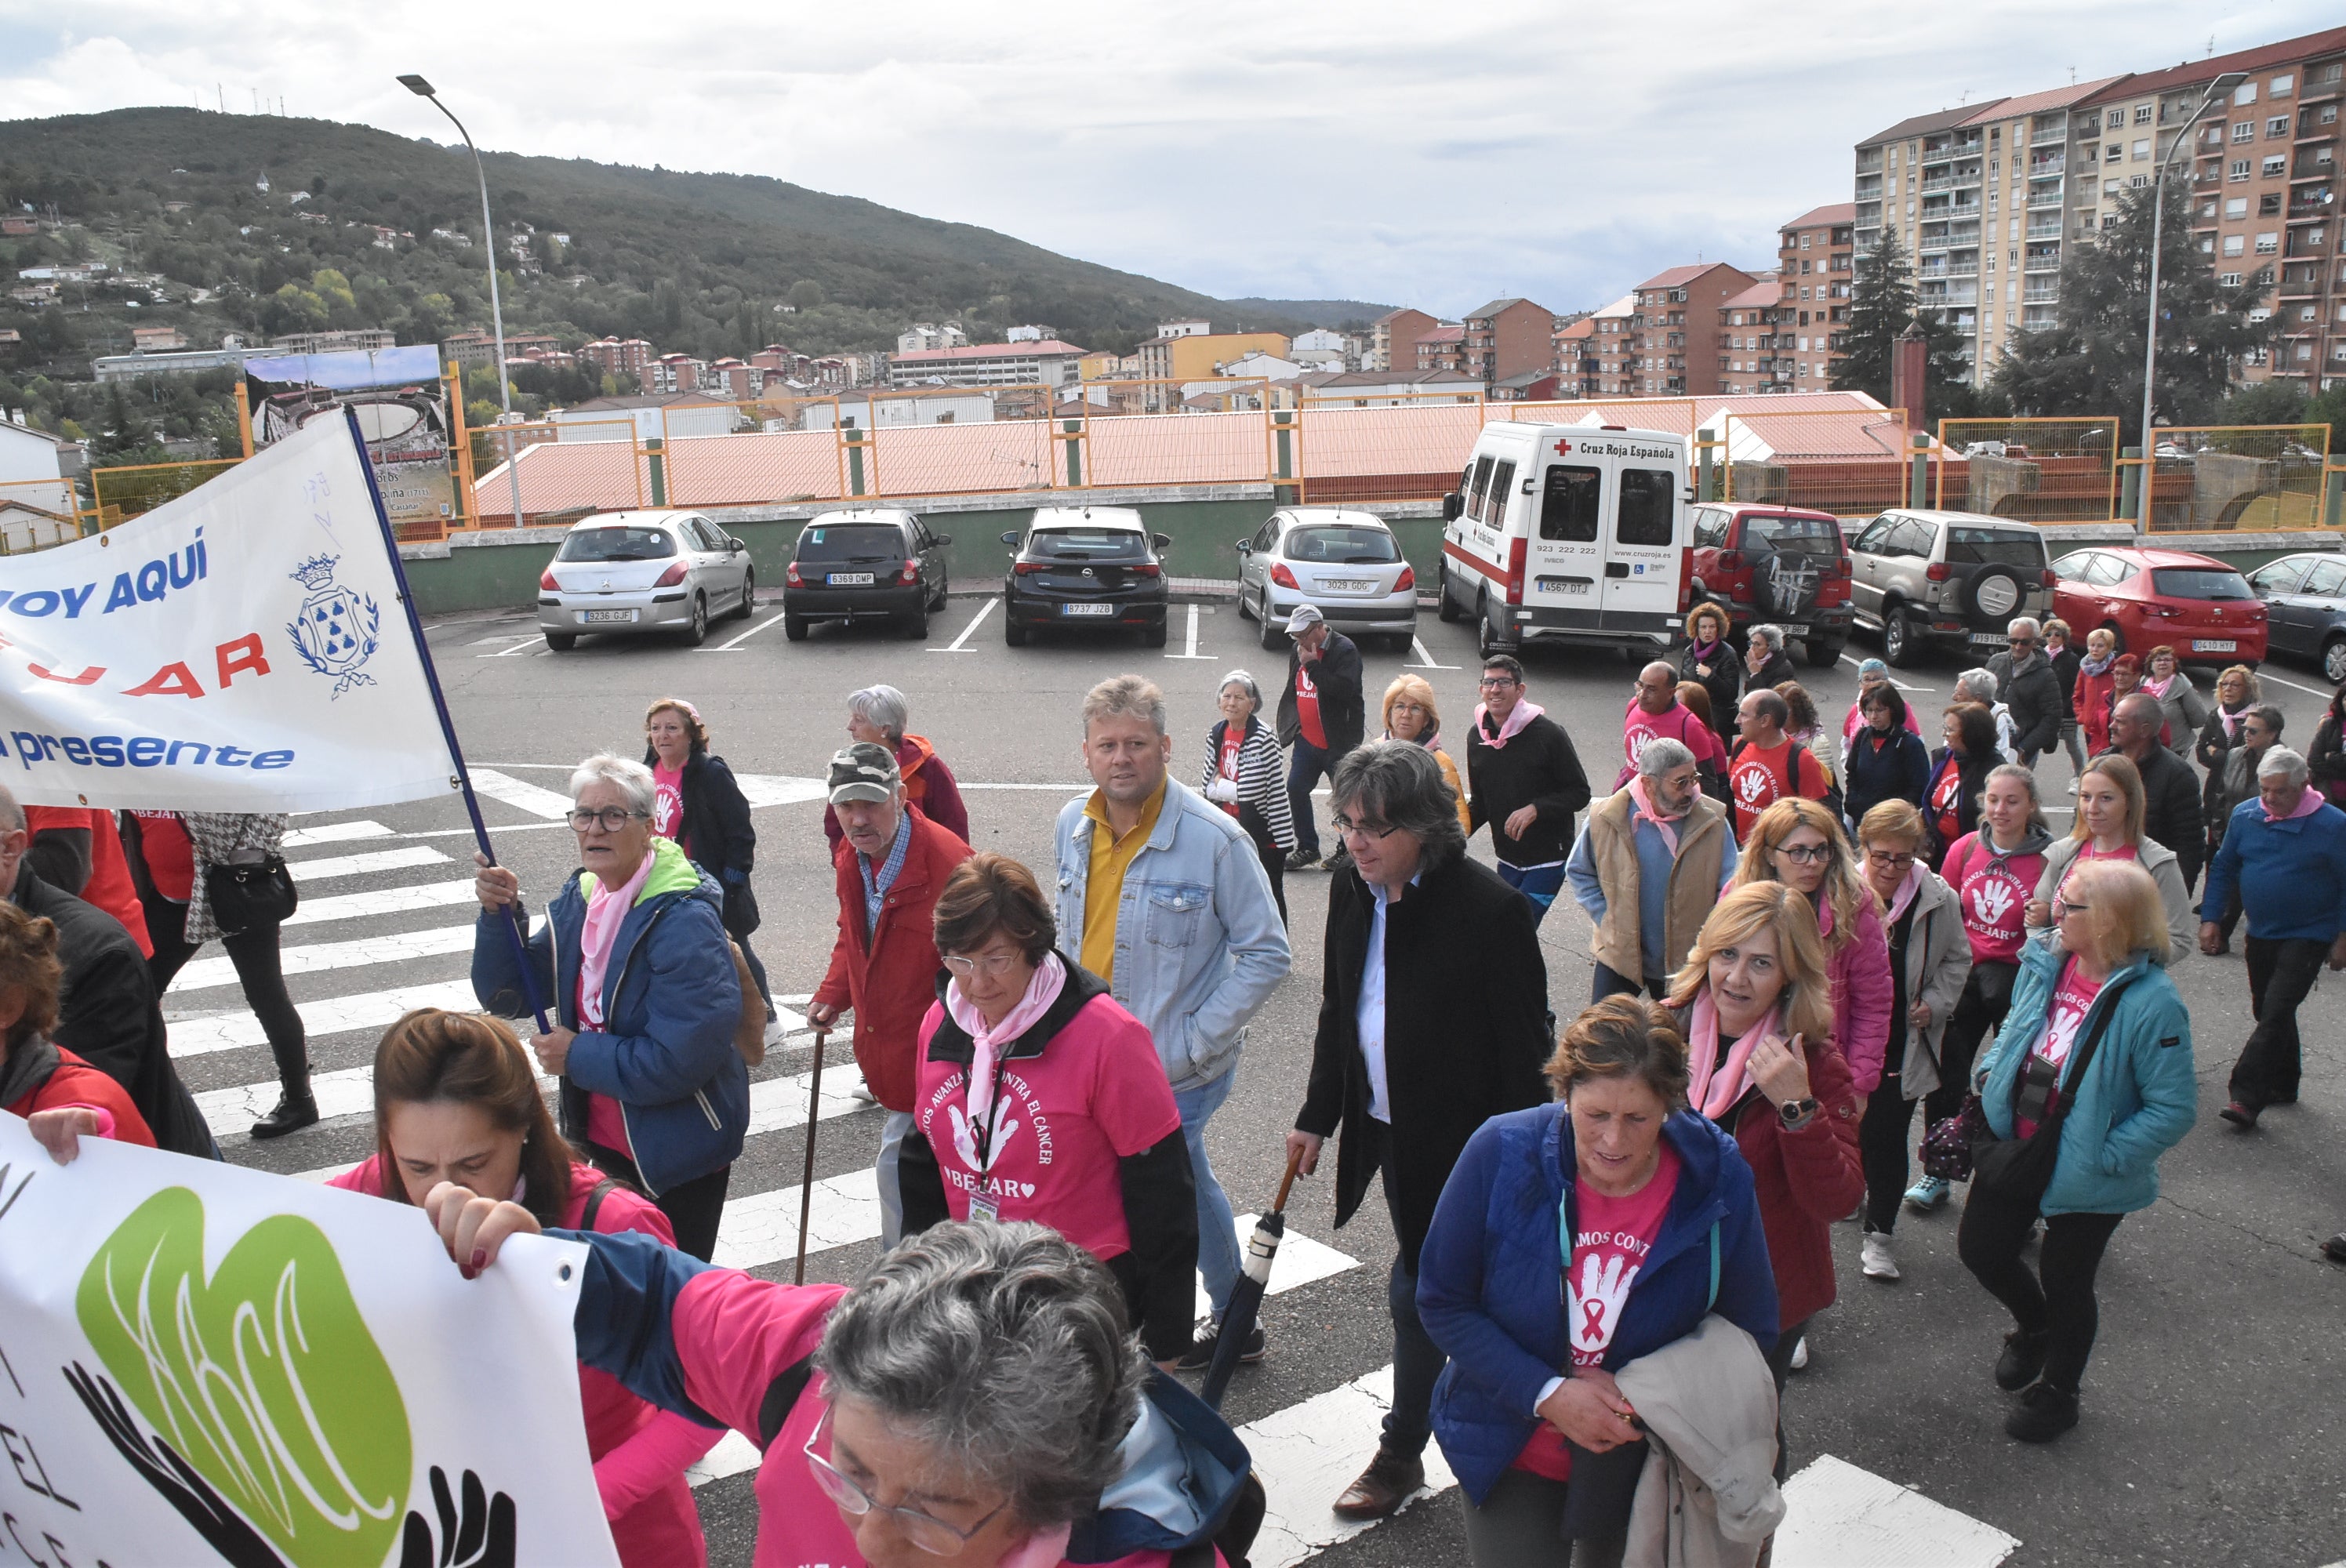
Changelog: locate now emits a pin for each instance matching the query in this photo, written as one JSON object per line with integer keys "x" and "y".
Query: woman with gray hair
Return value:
{"x": 634, "y": 958}
{"x": 877, "y": 713}
{"x": 1246, "y": 775}
{"x": 978, "y": 1397}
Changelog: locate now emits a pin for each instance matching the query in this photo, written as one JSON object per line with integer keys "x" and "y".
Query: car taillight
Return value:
{"x": 910, "y": 575}
{"x": 1936, "y": 571}
{"x": 1847, "y": 570}
{"x": 1281, "y": 575}
{"x": 545, "y": 580}
{"x": 1686, "y": 578}
{"x": 1026, "y": 568}
{"x": 1145, "y": 569}
{"x": 1515, "y": 570}
{"x": 2051, "y": 581}
{"x": 671, "y": 578}
{"x": 790, "y": 575}
{"x": 1408, "y": 579}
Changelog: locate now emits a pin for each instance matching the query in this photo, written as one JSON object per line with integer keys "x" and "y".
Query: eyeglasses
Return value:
{"x": 1345, "y": 828}
{"x": 992, "y": 967}
{"x": 1407, "y": 707}
{"x": 1886, "y": 860}
{"x": 611, "y": 818}
{"x": 2062, "y": 906}
{"x": 1495, "y": 682}
{"x": 925, "y": 1531}
{"x": 1808, "y": 854}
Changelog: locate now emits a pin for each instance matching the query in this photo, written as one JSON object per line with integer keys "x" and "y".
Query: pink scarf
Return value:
{"x": 1906, "y": 891}
{"x": 2309, "y": 802}
{"x": 1715, "y": 1086}
{"x": 607, "y": 911}
{"x": 1523, "y": 714}
{"x": 1050, "y": 979}
{"x": 2232, "y": 719}
{"x": 2156, "y": 688}
{"x": 1641, "y": 804}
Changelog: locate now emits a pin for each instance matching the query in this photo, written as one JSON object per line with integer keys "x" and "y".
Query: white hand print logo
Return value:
{"x": 1992, "y": 901}
{"x": 965, "y": 1137}
{"x": 1750, "y": 783}
{"x": 1596, "y": 1296}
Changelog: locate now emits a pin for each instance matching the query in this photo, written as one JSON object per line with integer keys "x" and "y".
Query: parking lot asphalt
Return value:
{"x": 2213, "y": 1428}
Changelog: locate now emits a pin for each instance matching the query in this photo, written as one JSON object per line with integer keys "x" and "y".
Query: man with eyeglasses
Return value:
{"x": 2026, "y": 683}
{"x": 1524, "y": 779}
{"x": 1657, "y": 714}
{"x": 1433, "y": 1019}
{"x": 892, "y": 862}
{"x": 1648, "y": 867}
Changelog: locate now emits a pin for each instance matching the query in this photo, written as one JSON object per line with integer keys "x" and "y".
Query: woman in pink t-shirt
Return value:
{"x": 1040, "y": 1097}
{"x": 456, "y": 1100}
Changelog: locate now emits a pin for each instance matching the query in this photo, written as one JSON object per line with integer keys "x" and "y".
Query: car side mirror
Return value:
{"x": 1011, "y": 538}
{"x": 1246, "y": 547}
{"x": 1452, "y": 505}
{"x": 1163, "y": 541}
{"x": 943, "y": 539}
{"x": 733, "y": 546}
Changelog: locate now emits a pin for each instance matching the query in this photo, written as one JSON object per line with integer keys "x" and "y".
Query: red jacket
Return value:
{"x": 2090, "y": 700}
{"x": 1806, "y": 1181}
{"x": 70, "y": 1081}
{"x": 889, "y": 975}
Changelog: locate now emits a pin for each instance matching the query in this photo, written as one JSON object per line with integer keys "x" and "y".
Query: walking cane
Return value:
{"x": 806, "y": 1183}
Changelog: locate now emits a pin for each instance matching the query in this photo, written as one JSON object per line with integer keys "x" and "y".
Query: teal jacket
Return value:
{"x": 2138, "y": 1096}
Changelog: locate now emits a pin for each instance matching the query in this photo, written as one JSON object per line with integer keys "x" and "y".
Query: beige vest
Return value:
{"x": 1694, "y": 882}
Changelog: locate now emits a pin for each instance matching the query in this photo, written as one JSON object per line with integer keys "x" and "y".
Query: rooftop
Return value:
{"x": 986, "y": 351}
{"x": 1445, "y": 335}
{"x": 1494, "y": 307}
{"x": 2039, "y": 103}
{"x": 1825, "y": 216}
{"x": 2191, "y": 71}
{"x": 1760, "y": 296}
{"x": 1680, "y": 277}
{"x": 1923, "y": 125}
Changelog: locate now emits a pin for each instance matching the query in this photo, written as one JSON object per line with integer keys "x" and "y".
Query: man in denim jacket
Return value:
{"x": 1162, "y": 895}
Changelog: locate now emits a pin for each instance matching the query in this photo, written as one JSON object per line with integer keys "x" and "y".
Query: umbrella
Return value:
{"x": 806, "y": 1183}
{"x": 1245, "y": 1296}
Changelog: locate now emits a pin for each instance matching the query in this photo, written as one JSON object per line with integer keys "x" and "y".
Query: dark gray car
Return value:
{"x": 2305, "y": 608}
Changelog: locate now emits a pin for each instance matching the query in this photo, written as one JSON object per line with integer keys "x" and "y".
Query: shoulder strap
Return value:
{"x": 781, "y": 1396}
{"x": 2085, "y": 1056}
{"x": 595, "y": 1197}
{"x": 1712, "y": 1300}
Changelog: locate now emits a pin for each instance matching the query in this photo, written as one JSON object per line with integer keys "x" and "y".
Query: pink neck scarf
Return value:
{"x": 2309, "y": 802}
{"x": 1906, "y": 891}
{"x": 1523, "y": 713}
{"x": 1715, "y": 1086}
{"x": 1048, "y": 1550}
{"x": 606, "y": 909}
{"x": 1050, "y": 979}
{"x": 1641, "y": 804}
{"x": 2156, "y": 688}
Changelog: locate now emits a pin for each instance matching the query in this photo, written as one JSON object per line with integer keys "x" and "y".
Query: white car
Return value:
{"x": 643, "y": 572}
{"x": 1348, "y": 563}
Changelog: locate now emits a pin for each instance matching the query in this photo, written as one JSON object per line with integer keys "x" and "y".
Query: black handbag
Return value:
{"x": 2018, "y": 1170}
{"x": 246, "y": 894}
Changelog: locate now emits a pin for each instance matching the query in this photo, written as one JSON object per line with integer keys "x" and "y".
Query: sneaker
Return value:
{"x": 2073, "y": 786}
{"x": 1800, "y": 1355}
{"x": 1302, "y": 860}
{"x": 862, "y": 1093}
{"x": 776, "y": 1032}
{"x": 2240, "y": 1115}
{"x": 1877, "y": 1261}
{"x": 1337, "y": 862}
{"x": 1926, "y": 1195}
{"x": 2023, "y": 1359}
{"x": 1201, "y": 1351}
{"x": 2044, "y": 1414}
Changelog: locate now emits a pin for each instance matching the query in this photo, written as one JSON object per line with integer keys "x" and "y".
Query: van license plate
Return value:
{"x": 614, "y": 616}
{"x": 2202, "y": 644}
{"x": 1564, "y": 584}
{"x": 1087, "y": 609}
{"x": 848, "y": 579}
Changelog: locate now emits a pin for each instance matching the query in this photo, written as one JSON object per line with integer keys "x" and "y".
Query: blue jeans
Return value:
{"x": 1538, "y": 883}
{"x": 1218, "y": 1228}
{"x": 1306, "y": 768}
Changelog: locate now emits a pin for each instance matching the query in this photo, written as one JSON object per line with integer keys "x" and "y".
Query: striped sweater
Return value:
{"x": 1262, "y": 776}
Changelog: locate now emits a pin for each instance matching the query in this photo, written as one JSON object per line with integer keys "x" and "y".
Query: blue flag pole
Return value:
{"x": 463, "y": 778}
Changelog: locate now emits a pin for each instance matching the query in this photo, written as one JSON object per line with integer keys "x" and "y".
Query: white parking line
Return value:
{"x": 527, "y": 647}
{"x": 1189, "y": 648}
{"x": 2266, "y": 674}
{"x": 1424, "y": 658}
{"x": 743, "y": 637}
{"x": 984, "y": 610}
{"x": 1901, "y": 685}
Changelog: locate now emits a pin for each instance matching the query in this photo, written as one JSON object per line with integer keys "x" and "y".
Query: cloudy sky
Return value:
{"x": 1396, "y": 153}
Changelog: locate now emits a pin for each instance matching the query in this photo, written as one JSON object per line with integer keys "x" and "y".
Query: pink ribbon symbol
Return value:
{"x": 1595, "y": 1312}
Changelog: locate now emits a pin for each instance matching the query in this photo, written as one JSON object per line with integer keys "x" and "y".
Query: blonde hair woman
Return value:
{"x": 2110, "y": 808}
{"x": 1798, "y": 842}
{"x": 1410, "y": 714}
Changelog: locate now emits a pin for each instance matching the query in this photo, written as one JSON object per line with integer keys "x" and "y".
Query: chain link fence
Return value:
{"x": 2030, "y": 470}
{"x": 2250, "y": 479}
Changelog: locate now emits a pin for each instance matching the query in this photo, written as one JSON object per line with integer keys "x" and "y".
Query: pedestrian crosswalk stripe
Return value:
{"x": 382, "y": 902}
{"x": 201, "y": 1033}
{"x": 396, "y": 948}
{"x": 327, "y": 866}
{"x": 348, "y": 1092}
{"x": 1308, "y": 1453}
{"x": 535, "y": 799}
{"x": 1838, "y": 1514}
{"x": 332, "y": 833}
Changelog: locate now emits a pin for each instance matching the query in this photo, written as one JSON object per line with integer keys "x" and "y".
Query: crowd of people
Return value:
{"x": 1798, "y": 942}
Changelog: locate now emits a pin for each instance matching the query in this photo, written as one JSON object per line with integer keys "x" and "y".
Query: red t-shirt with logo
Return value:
{"x": 2073, "y": 998}
{"x": 1608, "y": 1249}
{"x": 1945, "y": 802}
{"x": 1226, "y": 765}
{"x": 170, "y": 856}
{"x": 2085, "y": 852}
{"x": 1095, "y": 1094}
{"x": 1993, "y": 901}
{"x": 1307, "y": 707}
{"x": 1641, "y": 729}
{"x": 1760, "y": 777}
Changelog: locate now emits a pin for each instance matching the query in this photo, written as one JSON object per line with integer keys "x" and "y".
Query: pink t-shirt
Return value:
{"x": 1095, "y": 1094}
{"x": 2085, "y": 852}
{"x": 1641, "y": 729}
{"x": 668, "y": 802}
{"x": 606, "y": 1124}
{"x": 1608, "y": 1247}
{"x": 1995, "y": 901}
{"x": 2071, "y": 999}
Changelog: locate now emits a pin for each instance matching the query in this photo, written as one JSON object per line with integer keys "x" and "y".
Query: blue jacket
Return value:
{"x": 1897, "y": 769}
{"x": 2138, "y": 1096}
{"x": 2291, "y": 875}
{"x": 1490, "y": 1274}
{"x": 669, "y": 1004}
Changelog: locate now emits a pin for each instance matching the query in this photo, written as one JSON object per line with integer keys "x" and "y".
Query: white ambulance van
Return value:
{"x": 1569, "y": 533}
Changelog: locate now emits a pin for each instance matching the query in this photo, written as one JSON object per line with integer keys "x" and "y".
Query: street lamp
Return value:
{"x": 2218, "y": 91}
{"x": 423, "y": 89}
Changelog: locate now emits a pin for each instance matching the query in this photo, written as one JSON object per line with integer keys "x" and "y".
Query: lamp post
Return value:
{"x": 2218, "y": 91}
{"x": 423, "y": 89}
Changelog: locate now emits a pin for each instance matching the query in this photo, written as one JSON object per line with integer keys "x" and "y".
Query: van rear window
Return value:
{"x": 1993, "y": 547}
{"x": 1647, "y": 515}
{"x": 1568, "y": 498}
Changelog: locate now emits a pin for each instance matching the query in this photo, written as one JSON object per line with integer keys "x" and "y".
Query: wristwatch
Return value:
{"x": 1796, "y": 1113}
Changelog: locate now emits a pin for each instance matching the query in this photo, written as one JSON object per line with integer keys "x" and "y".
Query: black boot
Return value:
{"x": 296, "y": 1106}
{"x": 2023, "y": 1359}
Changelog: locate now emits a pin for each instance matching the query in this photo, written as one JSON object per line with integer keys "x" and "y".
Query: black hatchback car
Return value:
{"x": 1084, "y": 567}
{"x": 866, "y": 564}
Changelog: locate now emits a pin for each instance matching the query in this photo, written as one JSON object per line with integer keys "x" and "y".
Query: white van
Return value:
{"x": 1569, "y": 533}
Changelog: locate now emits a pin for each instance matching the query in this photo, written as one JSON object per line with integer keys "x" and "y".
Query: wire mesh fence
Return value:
{"x": 2238, "y": 479}
{"x": 128, "y": 492}
{"x": 37, "y": 513}
{"x": 2030, "y": 470}
{"x": 1850, "y": 462}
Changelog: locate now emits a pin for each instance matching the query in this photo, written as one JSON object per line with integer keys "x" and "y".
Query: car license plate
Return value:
{"x": 1348, "y": 584}
{"x": 611, "y": 615}
{"x": 2205, "y": 645}
{"x": 848, "y": 579}
{"x": 1796, "y": 631}
{"x": 1087, "y": 609}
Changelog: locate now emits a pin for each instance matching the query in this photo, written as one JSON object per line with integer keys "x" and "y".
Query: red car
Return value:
{"x": 2194, "y": 604}
{"x": 1779, "y": 565}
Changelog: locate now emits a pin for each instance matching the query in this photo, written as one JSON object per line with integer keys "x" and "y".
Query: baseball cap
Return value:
{"x": 1305, "y": 617}
{"x": 864, "y": 771}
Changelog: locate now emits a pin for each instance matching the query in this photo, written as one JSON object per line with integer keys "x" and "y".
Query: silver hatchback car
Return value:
{"x": 643, "y": 572}
{"x": 1348, "y": 563}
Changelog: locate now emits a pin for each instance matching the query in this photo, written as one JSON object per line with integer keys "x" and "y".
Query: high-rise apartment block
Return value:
{"x": 1815, "y": 268}
{"x": 1506, "y": 339}
{"x": 1392, "y": 340}
{"x": 1676, "y": 333}
{"x": 1746, "y": 343}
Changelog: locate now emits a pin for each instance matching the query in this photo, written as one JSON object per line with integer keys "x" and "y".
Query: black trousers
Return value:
{"x": 1611, "y": 981}
{"x": 1780, "y": 1367}
{"x": 1882, "y": 1139}
{"x": 2056, "y": 1298}
{"x": 1267, "y": 850}
{"x": 1986, "y": 998}
{"x": 258, "y": 971}
{"x": 2281, "y": 973}
{"x": 693, "y": 1208}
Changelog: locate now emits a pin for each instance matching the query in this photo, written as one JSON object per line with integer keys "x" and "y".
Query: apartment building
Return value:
{"x": 1505, "y": 338}
{"x": 1612, "y": 334}
{"x": 1443, "y": 347}
{"x": 1577, "y": 357}
{"x": 1676, "y": 333}
{"x": 1184, "y": 355}
{"x": 1394, "y": 333}
{"x": 1747, "y": 359}
{"x": 1047, "y": 362}
{"x": 1816, "y": 268}
{"x": 620, "y": 356}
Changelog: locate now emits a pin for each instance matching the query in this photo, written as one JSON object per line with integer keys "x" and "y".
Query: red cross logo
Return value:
{"x": 1563, "y": 448}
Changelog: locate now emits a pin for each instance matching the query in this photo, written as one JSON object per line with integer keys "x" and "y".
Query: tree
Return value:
{"x": 123, "y": 437}
{"x": 2089, "y": 360}
{"x": 1882, "y": 303}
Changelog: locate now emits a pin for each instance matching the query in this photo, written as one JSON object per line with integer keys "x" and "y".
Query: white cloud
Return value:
{"x": 1372, "y": 150}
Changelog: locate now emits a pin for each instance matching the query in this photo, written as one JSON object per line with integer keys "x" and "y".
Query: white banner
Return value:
{"x": 202, "y": 1364}
{"x": 241, "y": 649}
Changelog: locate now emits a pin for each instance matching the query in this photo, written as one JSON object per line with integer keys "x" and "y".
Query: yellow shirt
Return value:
{"x": 1103, "y": 885}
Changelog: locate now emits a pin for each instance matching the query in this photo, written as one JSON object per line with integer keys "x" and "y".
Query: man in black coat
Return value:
{"x": 107, "y": 1016}
{"x": 1523, "y": 777}
{"x": 1320, "y": 715}
{"x": 1433, "y": 1019}
{"x": 2026, "y": 683}
{"x": 2170, "y": 794}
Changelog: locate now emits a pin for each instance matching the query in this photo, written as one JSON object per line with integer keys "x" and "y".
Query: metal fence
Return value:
{"x": 2030, "y": 470}
{"x": 2240, "y": 478}
{"x": 1845, "y": 462}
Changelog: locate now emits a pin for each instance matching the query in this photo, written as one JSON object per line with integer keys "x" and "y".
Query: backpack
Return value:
{"x": 1832, "y": 799}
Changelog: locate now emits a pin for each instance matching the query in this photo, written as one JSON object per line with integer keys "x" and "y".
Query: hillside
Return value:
{"x": 1342, "y": 315}
{"x": 710, "y": 264}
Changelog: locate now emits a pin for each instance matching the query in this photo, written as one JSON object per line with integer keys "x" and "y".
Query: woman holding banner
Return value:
{"x": 633, "y": 954}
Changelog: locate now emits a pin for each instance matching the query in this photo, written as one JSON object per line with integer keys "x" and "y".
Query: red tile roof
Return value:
{"x": 1825, "y": 216}
{"x": 2191, "y": 71}
{"x": 2038, "y": 103}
